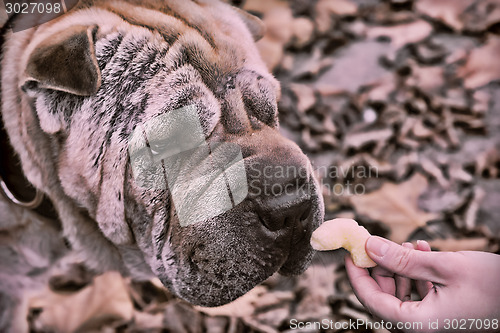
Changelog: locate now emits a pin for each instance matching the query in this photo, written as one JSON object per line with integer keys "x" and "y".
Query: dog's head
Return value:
{"x": 162, "y": 122}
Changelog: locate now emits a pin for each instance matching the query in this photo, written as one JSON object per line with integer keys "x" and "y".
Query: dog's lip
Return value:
{"x": 292, "y": 266}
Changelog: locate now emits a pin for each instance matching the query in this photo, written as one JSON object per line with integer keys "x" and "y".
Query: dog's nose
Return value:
{"x": 294, "y": 215}
{"x": 280, "y": 180}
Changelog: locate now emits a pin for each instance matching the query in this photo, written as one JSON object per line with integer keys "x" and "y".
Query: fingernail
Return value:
{"x": 422, "y": 242}
{"x": 377, "y": 246}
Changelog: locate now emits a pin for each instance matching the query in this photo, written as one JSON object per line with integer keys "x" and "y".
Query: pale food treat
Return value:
{"x": 346, "y": 233}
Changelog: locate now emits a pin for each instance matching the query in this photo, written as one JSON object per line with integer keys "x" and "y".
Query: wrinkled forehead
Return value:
{"x": 211, "y": 30}
{"x": 210, "y": 34}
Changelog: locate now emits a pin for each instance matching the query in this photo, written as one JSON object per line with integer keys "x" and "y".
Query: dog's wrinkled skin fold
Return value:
{"x": 73, "y": 91}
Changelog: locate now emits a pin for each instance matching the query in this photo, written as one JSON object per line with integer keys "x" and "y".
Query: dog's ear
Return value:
{"x": 253, "y": 23}
{"x": 65, "y": 61}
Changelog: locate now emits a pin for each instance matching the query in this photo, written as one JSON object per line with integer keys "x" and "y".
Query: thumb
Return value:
{"x": 414, "y": 264}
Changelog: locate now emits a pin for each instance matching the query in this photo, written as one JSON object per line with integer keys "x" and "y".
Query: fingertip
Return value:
{"x": 403, "y": 259}
{"x": 423, "y": 245}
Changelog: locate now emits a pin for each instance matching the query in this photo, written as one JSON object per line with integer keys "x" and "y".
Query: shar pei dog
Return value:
{"x": 150, "y": 129}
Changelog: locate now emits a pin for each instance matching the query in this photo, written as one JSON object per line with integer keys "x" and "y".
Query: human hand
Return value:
{"x": 460, "y": 291}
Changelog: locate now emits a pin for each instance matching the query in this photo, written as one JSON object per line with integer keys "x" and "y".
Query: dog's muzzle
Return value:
{"x": 246, "y": 205}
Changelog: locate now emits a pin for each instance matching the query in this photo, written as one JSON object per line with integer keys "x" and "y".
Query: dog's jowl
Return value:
{"x": 151, "y": 128}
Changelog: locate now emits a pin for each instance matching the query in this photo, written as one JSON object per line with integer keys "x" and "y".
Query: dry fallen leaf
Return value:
{"x": 326, "y": 8}
{"x": 356, "y": 140}
{"x": 305, "y": 95}
{"x": 181, "y": 317}
{"x": 303, "y": 31}
{"x": 263, "y": 6}
{"x": 380, "y": 91}
{"x": 396, "y": 205}
{"x": 355, "y": 66}
{"x": 429, "y": 79}
{"x": 482, "y": 15}
{"x": 402, "y": 34}
{"x": 488, "y": 216}
{"x": 448, "y": 11}
{"x": 316, "y": 284}
{"x": 246, "y": 305}
{"x": 106, "y": 298}
{"x": 146, "y": 320}
{"x": 466, "y": 244}
{"x": 279, "y": 25}
{"x": 279, "y": 31}
{"x": 271, "y": 52}
{"x": 483, "y": 65}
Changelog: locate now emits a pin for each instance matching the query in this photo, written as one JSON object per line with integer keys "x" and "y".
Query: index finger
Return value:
{"x": 436, "y": 267}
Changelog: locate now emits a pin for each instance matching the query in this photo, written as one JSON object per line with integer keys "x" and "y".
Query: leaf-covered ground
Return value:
{"x": 397, "y": 103}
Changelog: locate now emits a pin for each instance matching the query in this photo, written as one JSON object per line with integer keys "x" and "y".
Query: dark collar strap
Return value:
{"x": 40, "y": 203}
{"x": 32, "y": 204}
{"x": 13, "y": 184}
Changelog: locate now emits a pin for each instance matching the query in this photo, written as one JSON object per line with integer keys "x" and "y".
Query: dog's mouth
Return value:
{"x": 221, "y": 259}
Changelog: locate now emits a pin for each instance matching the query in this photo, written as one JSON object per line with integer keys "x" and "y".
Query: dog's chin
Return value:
{"x": 199, "y": 290}
{"x": 208, "y": 289}
{"x": 222, "y": 264}
{"x": 295, "y": 267}
{"x": 219, "y": 284}
{"x": 204, "y": 289}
